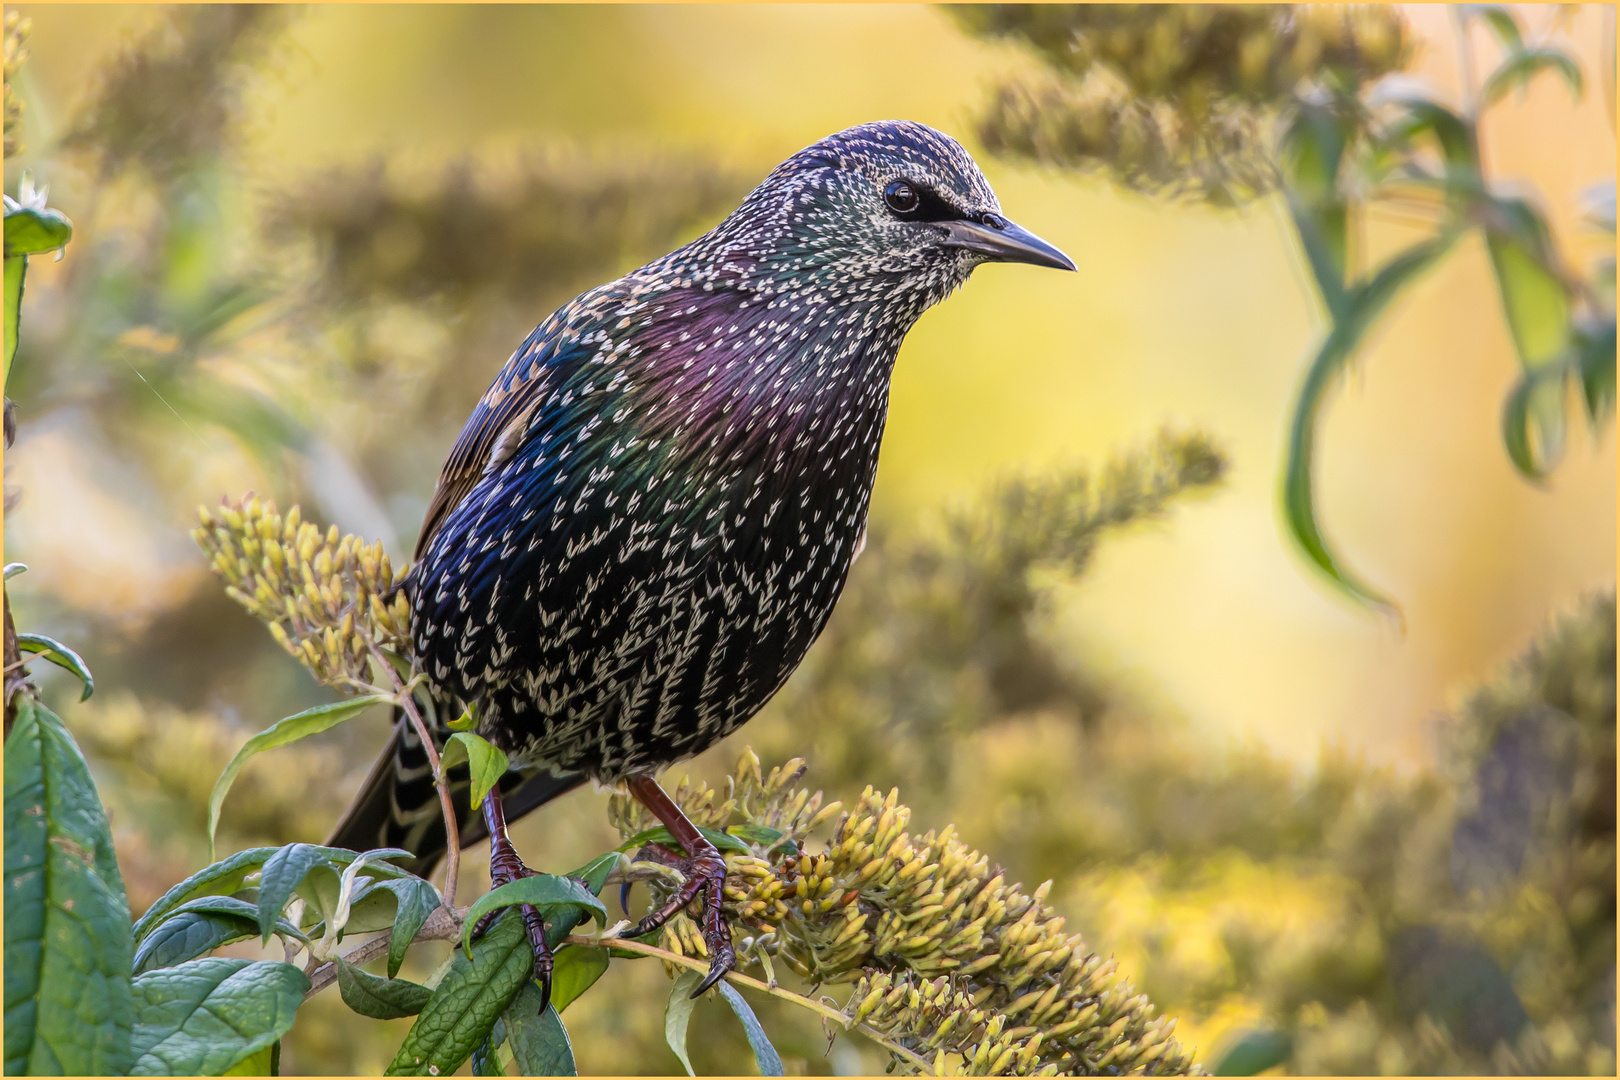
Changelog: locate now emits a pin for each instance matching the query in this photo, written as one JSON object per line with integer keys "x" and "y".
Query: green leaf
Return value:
{"x": 484, "y": 1059}
{"x": 485, "y": 763}
{"x": 678, "y": 1014}
{"x": 465, "y": 722}
{"x": 376, "y": 997}
{"x": 770, "y": 1062}
{"x": 1501, "y": 21}
{"x": 1363, "y": 307}
{"x": 219, "y": 879}
{"x": 1594, "y": 359}
{"x": 283, "y": 872}
{"x": 68, "y": 1000}
{"x": 1535, "y": 299}
{"x": 1422, "y": 115}
{"x": 266, "y": 1062}
{"x": 60, "y": 655}
{"x": 539, "y": 1042}
{"x": 1523, "y": 65}
{"x": 575, "y": 970}
{"x": 16, "y": 271}
{"x": 30, "y": 230}
{"x": 544, "y": 893}
{"x": 200, "y": 926}
{"x": 1516, "y": 423}
{"x": 207, "y": 1016}
{"x": 1313, "y": 148}
{"x": 467, "y": 1001}
{"x": 595, "y": 873}
{"x": 417, "y": 899}
{"x": 1254, "y": 1052}
{"x": 658, "y": 834}
{"x": 309, "y": 722}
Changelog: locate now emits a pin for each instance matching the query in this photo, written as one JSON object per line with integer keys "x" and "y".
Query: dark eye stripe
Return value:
{"x": 930, "y": 207}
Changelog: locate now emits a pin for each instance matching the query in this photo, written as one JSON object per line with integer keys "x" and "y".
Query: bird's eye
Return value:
{"x": 995, "y": 221}
{"x": 902, "y": 197}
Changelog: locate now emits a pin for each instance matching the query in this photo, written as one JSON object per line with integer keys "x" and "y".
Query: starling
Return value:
{"x": 648, "y": 517}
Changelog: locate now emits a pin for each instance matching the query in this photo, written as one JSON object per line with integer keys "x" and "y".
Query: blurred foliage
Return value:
{"x": 1346, "y": 917}
{"x": 16, "y": 51}
{"x": 1229, "y": 103}
{"x": 170, "y": 101}
{"x": 1178, "y": 99}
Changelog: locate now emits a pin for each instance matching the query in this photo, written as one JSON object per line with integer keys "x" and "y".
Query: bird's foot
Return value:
{"x": 705, "y": 873}
{"x": 504, "y": 868}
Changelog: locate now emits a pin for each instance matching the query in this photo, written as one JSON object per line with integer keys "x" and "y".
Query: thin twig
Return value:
{"x": 911, "y": 1056}
{"x": 442, "y": 925}
{"x": 452, "y": 831}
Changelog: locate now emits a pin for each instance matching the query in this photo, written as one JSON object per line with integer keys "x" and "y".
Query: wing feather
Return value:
{"x": 495, "y": 429}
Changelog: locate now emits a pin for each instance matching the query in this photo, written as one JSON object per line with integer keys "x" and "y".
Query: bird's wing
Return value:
{"x": 495, "y": 428}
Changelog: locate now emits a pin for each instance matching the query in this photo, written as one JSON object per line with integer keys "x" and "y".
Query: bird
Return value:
{"x": 649, "y": 516}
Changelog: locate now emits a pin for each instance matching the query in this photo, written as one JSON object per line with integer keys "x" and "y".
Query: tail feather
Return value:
{"x": 398, "y": 806}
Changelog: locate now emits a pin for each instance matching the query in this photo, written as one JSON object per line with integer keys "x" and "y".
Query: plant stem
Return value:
{"x": 912, "y": 1058}
{"x": 442, "y": 925}
{"x": 452, "y": 832}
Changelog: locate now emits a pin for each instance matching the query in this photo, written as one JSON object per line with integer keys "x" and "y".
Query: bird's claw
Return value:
{"x": 505, "y": 867}
{"x": 705, "y": 873}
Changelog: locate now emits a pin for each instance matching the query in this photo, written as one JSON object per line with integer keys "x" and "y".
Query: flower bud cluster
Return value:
{"x": 17, "y": 29}
{"x": 327, "y": 599}
{"x": 948, "y": 959}
{"x": 1179, "y": 99}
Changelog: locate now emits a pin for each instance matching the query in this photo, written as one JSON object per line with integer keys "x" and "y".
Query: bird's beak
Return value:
{"x": 1005, "y": 242}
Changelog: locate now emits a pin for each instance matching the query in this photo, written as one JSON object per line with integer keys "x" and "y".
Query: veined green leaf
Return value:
{"x": 206, "y": 1016}
{"x": 678, "y": 1015}
{"x": 376, "y": 997}
{"x": 68, "y": 1000}
{"x": 47, "y": 648}
{"x": 1365, "y": 304}
{"x": 309, "y": 722}
{"x": 770, "y": 1062}
{"x": 539, "y": 1042}
{"x": 468, "y": 1000}
{"x": 200, "y": 926}
{"x": 543, "y": 892}
{"x": 219, "y": 879}
{"x": 485, "y": 763}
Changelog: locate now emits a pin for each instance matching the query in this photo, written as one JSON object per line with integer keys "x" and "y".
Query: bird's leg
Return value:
{"x": 705, "y": 874}
{"x": 505, "y": 867}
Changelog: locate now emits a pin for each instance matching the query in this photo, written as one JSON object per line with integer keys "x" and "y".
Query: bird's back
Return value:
{"x": 663, "y": 523}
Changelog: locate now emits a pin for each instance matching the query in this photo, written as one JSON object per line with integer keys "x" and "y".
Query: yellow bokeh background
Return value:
{"x": 1178, "y": 313}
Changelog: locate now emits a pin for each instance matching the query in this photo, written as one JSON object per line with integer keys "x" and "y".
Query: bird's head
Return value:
{"x": 876, "y": 212}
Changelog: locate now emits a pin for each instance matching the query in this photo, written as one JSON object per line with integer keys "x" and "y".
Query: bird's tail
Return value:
{"x": 398, "y": 807}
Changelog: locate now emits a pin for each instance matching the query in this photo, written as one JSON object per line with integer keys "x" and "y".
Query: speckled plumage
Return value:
{"x": 648, "y": 518}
